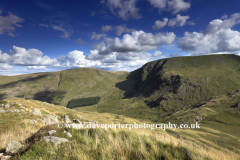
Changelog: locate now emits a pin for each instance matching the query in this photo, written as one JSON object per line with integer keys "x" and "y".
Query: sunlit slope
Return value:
{"x": 59, "y": 87}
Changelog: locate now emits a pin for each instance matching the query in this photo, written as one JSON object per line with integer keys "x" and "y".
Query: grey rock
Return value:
{"x": 14, "y": 110}
{"x": 65, "y": 118}
{"x": 55, "y": 140}
{"x": 6, "y": 157}
{"x": 2, "y": 110}
{"x": 1, "y": 155}
{"x": 36, "y": 112}
{"x": 77, "y": 121}
{"x": 67, "y": 133}
{"x": 6, "y": 106}
{"x": 95, "y": 122}
{"x": 13, "y": 147}
{"x": 50, "y": 119}
{"x": 51, "y": 132}
{"x": 198, "y": 119}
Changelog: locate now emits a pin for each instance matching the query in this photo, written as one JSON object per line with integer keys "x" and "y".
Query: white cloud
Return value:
{"x": 36, "y": 67}
{"x": 106, "y": 28}
{"x": 5, "y": 67}
{"x": 120, "y": 29}
{"x": 4, "y": 58}
{"x": 157, "y": 54}
{"x": 31, "y": 57}
{"x": 160, "y": 24}
{"x": 66, "y": 33}
{"x": 218, "y": 37}
{"x": 191, "y": 23}
{"x": 97, "y": 36}
{"x": 178, "y": 21}
{"x": 8, "y": 23}
{"x": 175, "y": 6}
{"x": 79, "y": 41}
{"x": 125, "y": 9}
{"x": 139, "y": 41}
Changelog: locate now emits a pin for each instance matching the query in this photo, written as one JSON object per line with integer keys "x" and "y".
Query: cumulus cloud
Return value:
{"x": 79, "y": 41}
{"x": 175, "y": 6}
{"x": 31, "y": 57}
{"x": 36, "y": 67}
{"x": 160, "y": 24}
{"x": 4, "y": 57}
{"x": 97, "y": 36}
{"x": 178, "y": 21}
{"x": 125, "y": 9}
{"x": 217, "y": 37}
{"x": 106, "y": 28}
{"x": 139, "y": 41}
{"x": 157, "y": 54}
{"x": 5, "y": 67}
{"x": 8, "y": 23}
{"x": 120, "y": 29}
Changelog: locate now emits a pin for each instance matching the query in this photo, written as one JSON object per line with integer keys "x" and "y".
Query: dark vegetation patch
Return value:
{"x": 50, "y": 96}
{"x": 83, "y": 102}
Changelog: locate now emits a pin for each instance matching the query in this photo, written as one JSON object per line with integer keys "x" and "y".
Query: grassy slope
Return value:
{"x": 98, "y": 143}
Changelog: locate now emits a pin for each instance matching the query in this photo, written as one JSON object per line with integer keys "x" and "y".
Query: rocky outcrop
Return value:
{"x": 50, "y": 119}
{"x": 65, "y": 118}
{"x": 6, "y": 157}
{"x": 13, "y": 147}
{"x": 55, "y": 140}
{"x": 36, "y": 112}
{"x": 51, "y": 132}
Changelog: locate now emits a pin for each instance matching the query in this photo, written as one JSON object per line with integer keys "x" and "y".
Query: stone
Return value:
{"x": 65, "y": 118}
{"x": 95, "y": 122}
{"x": 22, "y": 107}
{"x": 51, "y": 132}
{"x": 2, "y": 110}
{"x": 22, "y": 110}
{"x": 198, "y": 119}
{"x": 67, "y": 133}
{"x": 1, "y": 155}
{"x": 6, "y": 157}
{"x": 55, "y": 140}
{"x": 80, "y": 116}
{"x": 77, "y": 121}
{"x": 13, "y": 147}
{"x": 36, "y": 112}
{"x": 50, "y": 119}
{"x": 6, "y": 106}
{"x": 14, "y": 110}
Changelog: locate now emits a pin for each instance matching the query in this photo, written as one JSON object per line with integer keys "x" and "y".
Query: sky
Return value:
{"x": 112, "y": 35}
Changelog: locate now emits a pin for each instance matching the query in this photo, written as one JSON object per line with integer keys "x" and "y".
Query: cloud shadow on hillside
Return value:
{"x": 49, "y": 96}
{"x": 28, "y": 79}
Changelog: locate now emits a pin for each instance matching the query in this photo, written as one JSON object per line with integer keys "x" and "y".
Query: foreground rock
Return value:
{"x": 13, "y": 147}
{"x": 50, "y": 119}
{"x": 36, "y": 112}
{"x": 67, "y": 133}
{"x": 77, "y": 121}
{"x": 55, "y": 140}
{"x": 65, "y": 118}
{"x": 6, "y": 157}
{"x": 51, "y": 132}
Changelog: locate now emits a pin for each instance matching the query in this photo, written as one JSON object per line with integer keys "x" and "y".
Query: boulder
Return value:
{"x": 36, "y": 112}
{"x": 65, "y": 118}
{"x": 77, "y": 121}
{"x": 55, "y": 140}
{"x": 51, "y": 132}
{"x": 2, "y": 110}
{"x": 6, "y": 157}
{"x": 6, "y": 106}
{"x": 13, "y": 147}
{"x": 50, "y": 119}
{"x": 67, "y": 133}
{"x": 1, "y": 155}
{"x": 198, "y": 119}
{"x": 14, "y": 110}
{"x": 94, "y": 122}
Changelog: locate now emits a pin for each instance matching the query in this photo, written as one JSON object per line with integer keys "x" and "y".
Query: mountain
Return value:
{"x": 177, "y": 90}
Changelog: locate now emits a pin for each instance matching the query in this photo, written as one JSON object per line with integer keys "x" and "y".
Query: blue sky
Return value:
{"x": 113, "y": 35}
